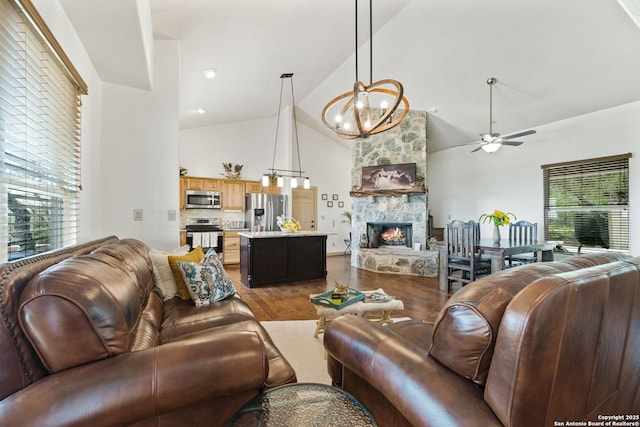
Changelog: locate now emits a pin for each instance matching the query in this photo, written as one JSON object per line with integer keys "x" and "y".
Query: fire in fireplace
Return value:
{"x": 389, "y": 234}
{"x": 393, "y": 236}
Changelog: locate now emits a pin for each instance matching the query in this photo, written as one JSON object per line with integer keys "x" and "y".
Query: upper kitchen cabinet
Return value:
{"x": 256, "y": 187}
{"x": 194, "y": 183}
{"x": 183, "y": 188}
{"x": 271, "y": 189}
{"x": 233, "y": 195}
{"x": 212, "y": 184}
{"x": 253, "y": 186}
{"x": 203, "y": 184}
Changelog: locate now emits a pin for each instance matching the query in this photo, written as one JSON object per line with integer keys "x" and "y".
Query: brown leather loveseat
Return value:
{"x": 543, "y": 344}
{"x": 86, "y": 340}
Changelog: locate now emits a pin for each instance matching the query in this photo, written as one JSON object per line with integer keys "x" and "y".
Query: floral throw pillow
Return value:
{"x": 206, "y": 281}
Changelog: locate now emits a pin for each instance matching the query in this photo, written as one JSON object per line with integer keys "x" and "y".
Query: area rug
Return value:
{"x": 294, "y": 338}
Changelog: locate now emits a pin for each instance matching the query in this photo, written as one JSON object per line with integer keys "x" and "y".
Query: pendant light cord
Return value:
{"x": 275, "y": 146}
{"x": 370, "y": 42}
{"x": 295, "y": 126}
{"x": 356, "y": 38}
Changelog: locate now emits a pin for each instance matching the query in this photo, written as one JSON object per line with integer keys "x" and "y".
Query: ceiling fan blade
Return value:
{"x": 512, "y": 143}
{"x": 476, "y": 149}
{"x": 516, "y": 135}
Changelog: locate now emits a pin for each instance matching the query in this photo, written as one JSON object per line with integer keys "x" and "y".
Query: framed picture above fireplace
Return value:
{"x": 389, "y": 177}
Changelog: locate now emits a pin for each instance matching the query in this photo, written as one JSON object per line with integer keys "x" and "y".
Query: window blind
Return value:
{"x": 586, "y": 203}
{"x": 39, "y": 137}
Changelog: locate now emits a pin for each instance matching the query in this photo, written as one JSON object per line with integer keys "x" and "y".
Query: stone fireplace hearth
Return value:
{"x": 406, "y": 143}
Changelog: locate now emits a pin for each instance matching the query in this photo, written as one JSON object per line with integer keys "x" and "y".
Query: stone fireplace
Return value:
{"x": 404, "y": 210}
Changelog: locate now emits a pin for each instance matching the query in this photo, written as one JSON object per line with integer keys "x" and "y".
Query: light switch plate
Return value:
{"x": 172, "y": 215}
{"x": 137, "y": 215}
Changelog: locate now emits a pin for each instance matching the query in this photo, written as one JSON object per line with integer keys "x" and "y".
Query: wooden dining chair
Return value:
{"x": 522, "y": 233}
{"x": 476, "y": 228}
{"x": 463, "y": 262}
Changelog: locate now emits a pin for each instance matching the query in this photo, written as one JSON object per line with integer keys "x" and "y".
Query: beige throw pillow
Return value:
{"x": 162, "y": 271}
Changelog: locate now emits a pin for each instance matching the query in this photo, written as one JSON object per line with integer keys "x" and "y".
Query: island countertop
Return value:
{"x": 272, "y": 234}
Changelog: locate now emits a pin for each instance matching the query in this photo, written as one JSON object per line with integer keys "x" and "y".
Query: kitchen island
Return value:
{"x": 269, "y": 257}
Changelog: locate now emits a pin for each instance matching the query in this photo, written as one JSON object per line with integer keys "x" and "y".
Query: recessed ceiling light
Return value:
{"x": 200, "y": 110}
{"x": 210, "y": 73}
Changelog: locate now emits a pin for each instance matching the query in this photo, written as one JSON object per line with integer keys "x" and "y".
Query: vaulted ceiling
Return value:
{"x": 554, "y": 59}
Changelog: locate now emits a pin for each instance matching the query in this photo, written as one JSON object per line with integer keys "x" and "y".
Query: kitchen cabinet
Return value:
{"x": 267, "y": 258}
{"x": 183, "y": 238}
{"x": 183, "y": 188}
{"x": 253, "y": 186}
{"x": 231, "y": 247}
{"x": 203, "y": 184}
{"x": 233, "y": 195}
{"x": 194, "y": 183}
{"x": 271, "y": 189}
{"x": 212, "y": 185}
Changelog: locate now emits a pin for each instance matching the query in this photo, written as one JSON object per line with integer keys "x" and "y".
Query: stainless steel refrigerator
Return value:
{"x": 263, "y": 210}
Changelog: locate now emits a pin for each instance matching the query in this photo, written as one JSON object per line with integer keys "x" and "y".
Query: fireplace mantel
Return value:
{"x": 396, "y": 192}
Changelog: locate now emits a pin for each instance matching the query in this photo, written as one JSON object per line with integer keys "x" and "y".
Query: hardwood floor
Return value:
{"x": 290, "y": 301}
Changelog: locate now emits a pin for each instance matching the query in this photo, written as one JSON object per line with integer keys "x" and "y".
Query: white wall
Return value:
{"x": 139, "y": 155}
{"x": 463, "y": 185}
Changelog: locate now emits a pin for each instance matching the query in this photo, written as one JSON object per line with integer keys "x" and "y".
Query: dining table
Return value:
{"x": 497, "y": 252}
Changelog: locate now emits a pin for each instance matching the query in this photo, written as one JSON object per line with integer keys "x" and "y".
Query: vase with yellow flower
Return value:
{"x": 499, "y": 218}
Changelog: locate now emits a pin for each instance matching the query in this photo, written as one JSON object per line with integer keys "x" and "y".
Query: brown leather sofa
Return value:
{"x": 86, "y": 340}
{"x": 527, "y": 346}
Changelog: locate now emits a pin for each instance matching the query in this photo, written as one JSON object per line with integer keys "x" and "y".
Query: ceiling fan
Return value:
{"x": 491, "y": 141}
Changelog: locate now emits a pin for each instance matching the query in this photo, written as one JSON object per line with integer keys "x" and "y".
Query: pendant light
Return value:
{"x": 366, "y": 110}
{"x": 279, "y": 174}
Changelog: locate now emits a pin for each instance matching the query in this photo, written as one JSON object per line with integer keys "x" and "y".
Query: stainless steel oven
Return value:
{"x": 205, "y": 232}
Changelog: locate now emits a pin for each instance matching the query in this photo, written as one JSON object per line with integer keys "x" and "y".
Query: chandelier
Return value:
{"x": 367, "y": 110}
{"x": 279, "y": 174}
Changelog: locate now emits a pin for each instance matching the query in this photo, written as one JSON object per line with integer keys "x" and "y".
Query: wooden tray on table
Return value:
{"x": 324, "y": 299}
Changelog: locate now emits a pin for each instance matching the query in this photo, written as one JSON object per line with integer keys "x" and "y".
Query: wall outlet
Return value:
{"x": 171, "y": 215}
{"x": 137, "y": 215}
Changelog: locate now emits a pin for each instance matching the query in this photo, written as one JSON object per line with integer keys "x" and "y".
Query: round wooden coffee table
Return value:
{"x": 303, "y": 404}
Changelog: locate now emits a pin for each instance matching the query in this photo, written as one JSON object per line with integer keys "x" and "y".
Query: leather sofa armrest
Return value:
{"x": 420, "y": 388}
{"x": 136, "y": 386}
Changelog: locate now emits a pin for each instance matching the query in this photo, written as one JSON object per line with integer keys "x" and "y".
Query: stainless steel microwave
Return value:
{"x": 195, "y": 199}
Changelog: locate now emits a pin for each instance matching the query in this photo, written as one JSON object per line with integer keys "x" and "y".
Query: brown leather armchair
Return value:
{"x": 525, "y": 346}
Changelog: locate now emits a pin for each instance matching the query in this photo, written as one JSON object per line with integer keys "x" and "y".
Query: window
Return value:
{"x": 586, "y": 203}
{"x": 39, "y": 136}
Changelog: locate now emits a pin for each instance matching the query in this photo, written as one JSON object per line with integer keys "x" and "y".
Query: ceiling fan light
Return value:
{"x": 307, "y": 184}
{"x": 491, "y": 147}
{"x": 210, "y": 73}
